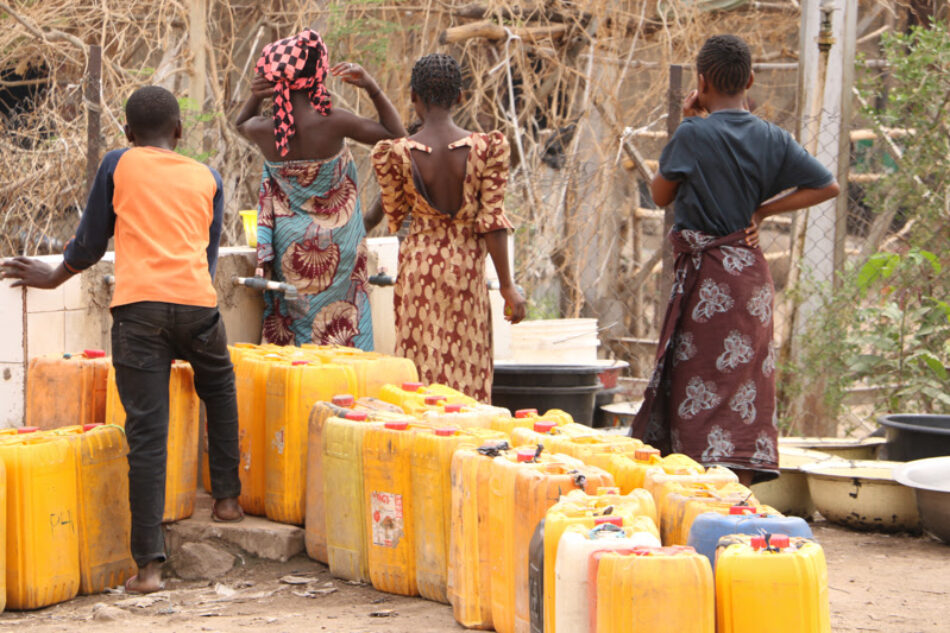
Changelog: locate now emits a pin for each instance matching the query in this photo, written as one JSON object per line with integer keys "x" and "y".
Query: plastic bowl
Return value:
{"x": 843, "y": 447}
{"x": 789, "y": 492}
{"x": 863, "y": 495}
{"x": 930, "y": 479}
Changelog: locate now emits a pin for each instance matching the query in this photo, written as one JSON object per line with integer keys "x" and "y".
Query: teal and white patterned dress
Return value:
{"x": 310, "y": 228}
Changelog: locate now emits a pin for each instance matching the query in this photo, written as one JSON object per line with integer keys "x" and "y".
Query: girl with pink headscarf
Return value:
{"x": 310, "y": 227}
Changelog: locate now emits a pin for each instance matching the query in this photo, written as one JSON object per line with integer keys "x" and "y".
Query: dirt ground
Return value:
{"x": 893, "y": 584}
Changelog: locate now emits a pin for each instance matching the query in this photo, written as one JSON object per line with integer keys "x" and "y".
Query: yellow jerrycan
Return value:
{"x": 773, "y": 578}
{"x": 660, "y": 483}
{"x": 181, "y": 468}
{"x": 42, "y": 544}
{"x": 387, "y": 457}
{"x": 651, "y": 589}
{"x": 431, "y": 475}
{"x": 250, "y": 380}
{"x": 673, "y": 511}
{"x": 3, "y": 535}
{"x": 315, "y": 521}
{"x": 344, "y": 495}
{"x": 469, "y": 571}
{"x": 103, "y": 519}
{"x": 630, "y": 472}
{"x": 536, "y": 490}
{"x": 67, "y": 389}
{"x": 292, "y": 390}
{"x": 577, "y": 508}
{"x": 375, "y": 370}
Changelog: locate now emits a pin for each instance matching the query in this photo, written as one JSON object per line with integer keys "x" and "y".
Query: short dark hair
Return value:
{"x": 152, "y": 111}
{"x": 726, "y": 63}
{"x": 437, "y": 79}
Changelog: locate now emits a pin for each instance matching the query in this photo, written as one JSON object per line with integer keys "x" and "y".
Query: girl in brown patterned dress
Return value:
{"x": 453, "y": 183}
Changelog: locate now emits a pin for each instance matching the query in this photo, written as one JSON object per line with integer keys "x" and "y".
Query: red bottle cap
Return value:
{"x": 453, "y": 408}
{"x": 608, "y": 490}
{"x": 779, "y": 541}
{"x": 643, "y": 454}
{"x": 526, "y": 455}
{"x": 544, "y": 426}
{"x": 89, "y": 427}
{"x": 525, "y": 413}
{"x": 447, "y": 432}
{"x": 94, "y": 353}
{"x": 613, "y": 520}
{"x": 300, "y": 362}
{"x": 757, "y": 542}
{"x": 434, "y": 400}
{"x": 412, "y": 386}
{"x": 397, "y": 426}
{"x": 23, "y": 430}
{"x": 344, "y": 400}
{"x": 742, "y": 510}
{"x": 356, "y": 416}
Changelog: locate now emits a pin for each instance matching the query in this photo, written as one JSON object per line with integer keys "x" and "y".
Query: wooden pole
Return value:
{"x": 675, "y": 105}
{"x": 848, "y": 48}
{"x": 93, "y": 113}
{"x": 198, "y": 43}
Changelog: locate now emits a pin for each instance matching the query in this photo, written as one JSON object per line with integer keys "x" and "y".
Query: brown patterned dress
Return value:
{"x": 443, "y": 322}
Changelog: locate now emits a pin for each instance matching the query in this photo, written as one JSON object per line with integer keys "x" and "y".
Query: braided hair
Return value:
{"x": 726, "y": 63}
{"x": 437, "y": 79}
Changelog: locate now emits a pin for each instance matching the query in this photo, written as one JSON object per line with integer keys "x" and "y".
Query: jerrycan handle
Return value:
{"x": 494, "y": 449}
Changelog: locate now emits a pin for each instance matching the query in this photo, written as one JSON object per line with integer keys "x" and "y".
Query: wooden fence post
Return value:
{"x": 675, "y": 102}
{"x": 93, "y": 81}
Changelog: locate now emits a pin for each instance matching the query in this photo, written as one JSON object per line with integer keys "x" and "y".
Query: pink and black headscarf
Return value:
{"x": 285, "y": 62}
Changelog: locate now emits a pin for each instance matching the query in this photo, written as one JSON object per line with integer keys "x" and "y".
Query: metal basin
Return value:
{"x": 789, "y": 492}
{"x": 862, "y": 495}
{"x": 914, "y": 436}
{"x": 846, "y": 448}
{"x": 930, "y": 479}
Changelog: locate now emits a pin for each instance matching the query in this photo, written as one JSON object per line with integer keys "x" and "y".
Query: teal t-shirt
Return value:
{"x": 728, "y": 164}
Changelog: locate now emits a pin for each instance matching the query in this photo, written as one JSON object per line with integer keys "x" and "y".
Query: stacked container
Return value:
{"x": 250, "y": 379}
{"x": 181, "y": 469}
{"x": 373, "y": 371}
{"x": 67, "y": 389}
{"x": 775, "y": 579}
{"x": 630, "y": 471}
{"x": 636, "y": 510}
{"x": 684, "y": 503}
{"x": 567, "y": 607}
{"x": 708, "y": 528}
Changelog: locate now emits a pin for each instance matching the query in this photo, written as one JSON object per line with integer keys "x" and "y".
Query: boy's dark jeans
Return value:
{"x": 146, "y": 337}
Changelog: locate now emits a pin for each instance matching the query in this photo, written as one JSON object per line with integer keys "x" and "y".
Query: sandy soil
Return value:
{"x": 893, "y": 584}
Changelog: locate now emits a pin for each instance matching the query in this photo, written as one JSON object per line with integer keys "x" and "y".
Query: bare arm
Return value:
{"x": 365, "y": 130}
{"x": 249, "y": 122}
{"x": 663, "y": 190}
{"x": 515, "y": 304}
{"x": 374, "y": 215}
{"x": 793, "y": 201}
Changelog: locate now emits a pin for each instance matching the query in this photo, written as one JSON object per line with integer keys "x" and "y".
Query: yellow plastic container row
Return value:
{"x": 577, "y": 508}
{"x": 292, "y": 390}
{"x": 522, "y": 491}
{"x": 783, "y": 582}
{"x": 181, "y": 469}
{"x": 42, "y": 512}
{"x": 658, "y": 589}
{"x": 316, "y": 519}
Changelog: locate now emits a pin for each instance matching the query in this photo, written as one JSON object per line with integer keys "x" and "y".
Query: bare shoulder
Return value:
{"x": 257, "y": 129}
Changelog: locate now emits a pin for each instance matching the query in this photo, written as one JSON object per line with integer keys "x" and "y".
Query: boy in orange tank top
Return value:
{"x": 165, "y": 211}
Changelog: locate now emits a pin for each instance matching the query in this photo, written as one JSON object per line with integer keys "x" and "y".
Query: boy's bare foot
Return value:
{"x": 148, "y": 580}
{"x": 227, "y": 510}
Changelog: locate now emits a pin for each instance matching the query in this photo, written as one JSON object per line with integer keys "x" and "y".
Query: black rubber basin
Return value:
{"x": 915, "y": 436}
{"x": 529, "y": 375}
